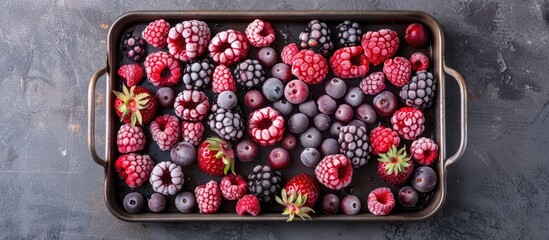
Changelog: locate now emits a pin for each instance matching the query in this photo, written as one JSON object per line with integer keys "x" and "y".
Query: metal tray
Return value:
{"x": 288, "y": 25}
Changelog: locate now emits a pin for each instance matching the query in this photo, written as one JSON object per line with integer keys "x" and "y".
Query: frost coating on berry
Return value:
{"x": 197, "y": 74}
{"x": 223, "y": 80}
{"x": 380, "y": 46}
{"x": 288, "y": 52}
{"x": 316, "y": 37}
{"x": 350, "y": 62}
{"x": 233, "y": 187}
{"x": 156, "y": 64}
{"x": 248, "y": 204}
{"x": 419, "y": 62}
{"x": 382, "y": 139}
{"x": 131, "y": 73}
{"x": 191, "y": 105}
{"x": 381, "y": 201}
{"x": 424, "y": 151}
{"x": 134, "y": 168}
{"x": 260, "y": 33}
{"x": 156, "y": 33}
{"x": 266, "y": 126}
{"x": 249, "y": 74}
{"x": 355, "y": 145}
{"x": 398, "y": 71}
{"x": 208, "y": 197}
{"x": 130, "y": 139}
{"x": 166, "y": 178}
{"x": 188, "y": 40}
{"x": 165, "y": 131}
{"x": 373, "y": 83}
{"x": 420, "y": 91}
{"x": 309, "y": 67}
{"x": 228, "y": 124}
{"x": 228, "y": 47}
{"x": 334, "y": 171}
{"x": 192, "y": 132}
{"x": 408, "y": 122}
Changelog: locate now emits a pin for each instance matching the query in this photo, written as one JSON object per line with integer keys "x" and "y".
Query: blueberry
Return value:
{"x": 289, "y": 141}
{"x": 157, "y": 202}
{"x": 330, "y": 204}
{"x": 267, "y": 56}
{"x": 329, "y": 146}
{"x": 283, "y": 106}
{"x": 424, "y": 179}
{"x": 133, "y": 202}
{"x": 321, "y": 121}
{"x": 254, "y": 99}
{"x": 366, "y": 113}
{"x": 298, "y": 123}
{"x": 336, "y": 88}
{"x": 350, "y": 205}
{"x": 357, "y": 123}
{"x": 344, "y": 113}
{"x": 310, "y": 157}
{"x": 227, "y": 100}
{"x": 185, "y": 202}
{"x": 246, "y": 150}
{"x": 311, "y": 138}
{"x": 407, "y": 196}
{"x": 183, "y": 154}
{"x": 335, "y": 129}
{"x": 326, "y": 104}
{"x": 272, "y": 89}
{"x": 282, "y": 71}
{"x": 308, "y": 108}
{"x": 354, "y": 97}
{"x": 165, "y": 97}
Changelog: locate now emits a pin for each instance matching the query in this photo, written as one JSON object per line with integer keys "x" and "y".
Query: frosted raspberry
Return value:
{"x": 334, "y": 171}
{"x": 288, "y": 53}
{"x": 373, "y": 83}
{"x": 192, "y": 132}
{"x": 134, "y": 168}
{"x": 156, "y": 33}
{"x": 228, "y": 47}
{"x": 189, "y": 39}
{"x": 260, "y": 33}
{"x": 233, "y": 187}
{"x": 130, "y": 139}
{"x": 223, "y": 80}
{"x": 424, "y": 151}
{"x": 398, "y": 71}
{"x": 309, "y": 67}
{"x": 166, "y": 178}
{"x": 266, "y": 126}
{"x": 191, "y": 105}
{"x": 380, "y": 46}
{"x": 165, "y": 131}
{"x": 381, "y": 201}
{"x": 162, "y": 69}
{"x": 419, "y": 62}
{"x": 408, "y": 122}
{"x": 248, "y": 204}
{"x": 208, "y": 197}
{"x": 350, "y": 62}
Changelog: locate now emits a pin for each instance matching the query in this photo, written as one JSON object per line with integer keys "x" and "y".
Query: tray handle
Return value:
{"x": 463, "y": 115}
{"x": 91, "y": 117}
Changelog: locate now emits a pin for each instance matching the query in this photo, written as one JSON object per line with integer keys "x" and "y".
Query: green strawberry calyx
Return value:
{"x": 395, "y": 160}
{"x": 223, "y": 150}
{"x": 294, "y": 205}
{"x": 132, "y": 104}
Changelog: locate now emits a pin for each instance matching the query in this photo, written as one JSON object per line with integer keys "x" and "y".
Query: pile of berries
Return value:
{"x": 338, "y": 98}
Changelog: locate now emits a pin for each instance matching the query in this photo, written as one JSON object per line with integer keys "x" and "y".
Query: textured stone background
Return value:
{"x": 52, "y": 189}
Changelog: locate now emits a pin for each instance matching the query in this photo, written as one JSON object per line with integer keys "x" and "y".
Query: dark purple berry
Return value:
{"x": 308, "y": 108}
{"x": 350, "y": 205}
{"x": 329, "y": 146}
{"x": 133, "y": 202}
{"x": 311, "y": 138}
{"x": 282, "y": 71}
{"x": 254, "y": 99}
{"x": 385, "y": 103}
{"x": 283, "y": 106}
{"x": 272, "y": 89}
{"x": 407, "y": 196}
{"x": 183, "y": 154}
{"x": 330, "y": 204}
{"x": 424, "y": 179}
{"x": 246, "y": 150}
{"x": 321, "y": 121}
{"x": 157, "y": 202}
{"x": 267, "y": 57}
{"x": 310, "y": 157}
{"x": 289, "y": 141}
{"x": 357, "y": 123}
{"x": 366, "y": 113}
{"x": 298, "y": 123}
{"x": 354, "y": 97}
{"x": 336, "y": 88}
{"x": 279, "y": 158}
{"x": 185, "y": 202}
{"x": 165, "y": 97}
{"x": 344, "y": 113}
{"x": 335, "y": 129}
{"x": 326, "y": 104}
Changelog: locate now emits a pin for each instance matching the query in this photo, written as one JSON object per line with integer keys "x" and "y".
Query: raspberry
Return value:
{"x": 380, "y": 46}
{"x": 334, "y": 171}
{"x": 162, "y": 69}
{"x": 166, "y": 178}
{"x": 189, "y": 39}
{"x": 130, "y": 139}
{"x": 288, "y": 53}
{"x": 228, "y": 47}
{"x": 373, "y": 83}
{"x": 191, "y": 105}
{"x": 309, "y": 67}
{"x": 208, "y": 197}
{"x": 134, "y": 168}
{"x": 165, "y": 131}
{"x": 131, "y": 73}
{"x": 424, "y": 151}
{"x": 156, "y": 33}
{"x": 260, "y": 33}
{"x": 248, "y": 204}
{"x": 350, "y": 62}
{"x": 381, "y": 201}
{"x": 408, "y": 122}
{"x": 383, "y": 138}
{"x": 266, "y": 126}
{"x": 192, "y": 132}
{"x": 397, "y": 71}
{"x": 223, "y": 80}
{"x": 233, "y": 187}
{"x": 419, "y": 62}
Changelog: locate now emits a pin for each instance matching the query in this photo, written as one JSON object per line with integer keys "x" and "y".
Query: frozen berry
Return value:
{"x": 267, "y": 57}
{"x": 419, "y": 62}
{"x": 134, "y": 47}
{"x": 424, "y": 179}
{"x": 298, "y": 123}
{"x": 344, "y": 113}
{"x": 260, "y": 33}
{"x": 165, "y": 131}
{"x": 330, "y": 204}
{"x": 424, "y": 151}
{"x": 288, "y": 53}
{"x": 223, "y": 80}
{"x": 335, "y": 129}
{"x": 310, "y": 157}
{"x": 357, "y": 123}
{"x": 283, "y": 106}
{"x": 408, "y": 122}
{"x": 329, "y": 146}
{"x": 282, "y": 71}
{"x": 189, "y": 39}
{"x": 416, "y": 35}
{"x": 380, "y": 45}
{"x": 279, "y": 158}
{"x": 311, "y": 138}
{"x": 133, "y": 202}
{"x": 381, "y": 201}
{"x": 254, "y": 99}
{"x": 289, "y": 142}
{"x": 296, "y": 91}
{"x": 132, "y": 74}
{"x": 272, "y": 89}
{"x": 398, "y": 71}
{"x": 166, "y": 97}
{"x": 233, "y": 186}
{"x": 183, "y": 154}
{"x": 157, "y": 202}
{"x": 308, "y": 108}
{"x": 407, "y": 196}
{"x": 167, "y": 178}
{"x": 336, "y": 88}
{"x": 246, "y": 150}
{"x": 249, "y": 74}
{"x": 227, "y": 100}
{"x": 385, "y": 103}
{"x": 228, "y": 47}
{"x": 248, "y": 204}
{"x": 350, "y": 205}
{"x": 266, "y": 126}
{"x": 192, "y": 132}
{"x": 156, "y": 33}
{"x": 321, "y": 121}
{"x": 130, "y": 139}
{"x": 334, "y": 171}
{"x": 309, "y": 67}
{"x": 350, "y": 62}
{"x": 134, "y": 168}
{"x": 191, "y": 105}
{"x": 162, "y": 69}
{"x": 366, "y": 113}
{"x": 373, "y": 83}
{"x": 326, "y": 104}
{"x": 354, "y": 97}
{"x": 185, "y": 202}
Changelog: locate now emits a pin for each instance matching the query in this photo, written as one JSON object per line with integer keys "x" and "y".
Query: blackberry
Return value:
{"x": 316, "y": 37}
{"x": 264, "y": 183}
{"x": 134, "y": 47}
{"x": 197, "y": 75}
{"x": 249, "y": 74}
{"x": 228, "y": 124}
{"x": 420, "y": 91}
{"x": 349, "y": 33}
{"x": 355, "y": 145}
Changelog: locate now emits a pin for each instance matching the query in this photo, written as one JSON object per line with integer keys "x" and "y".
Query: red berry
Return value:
{"x": 416, "y": 35}
{"x": 189, "y": 39}
{"x": 233, "y": 187}
{"x": 288, "y": 53}
{"x": 373, "y": 83}
{"x": 424, "y": 151}
{"x": 350, "y": 62}
{"x": 304, "y": 184}
{"x": 215, "y": 157}
{"x": 162, "y": 69}
{"x": 398, "y": 71}
{"x": 289, "y": 142}
{"x": 408, "y": 122}
{"x": 165, "y": 131}
{"x": 296, "y": 91}
{"x": 382, "y": 139}
{"x": 136, "y": 105}
{"x": 254, "y": 99}
{"x": 334, "y": 171}
{"x": 309, "y": 67}
{"x": 380, "y": 46}
{"x": 228, "y": 47}
{"x": 395, "y": 166}
{"x": 381, "y": 201}
{"x": 248, "y": 204}
{"x": 191, "y": 105}
{"x": 167, "y": 178}
{"x": 260, "y": 33}
{"x": 246, "y": 150}
{"x": 419, "y": 62}
{"x": 134, "y": 168}
{"x": 223, "y": 80}
{"x": 208, "y": 197}
{"x": 156, "y": 33}
{"x": 192, "y": 132}
{"x": 266, "y": 126}
{"x": 279, "y": 158}
{"x": 131, "y": 73}
{"x": 130, "y": 139}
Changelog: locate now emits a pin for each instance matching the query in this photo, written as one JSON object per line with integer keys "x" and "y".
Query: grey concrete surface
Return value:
{"x": 50, "y": 188}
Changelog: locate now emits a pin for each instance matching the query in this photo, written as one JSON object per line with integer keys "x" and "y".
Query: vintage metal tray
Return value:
{"x": 288, "y": 25}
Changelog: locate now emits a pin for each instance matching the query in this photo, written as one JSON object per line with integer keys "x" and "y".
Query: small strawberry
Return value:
{"x": 131, "y": 73}
{"x": 395, "y": 167}
{"x": 334, "y": 171}
{"x": 233, "y": 187}
{"x": 248, "y": 204}
{"x": 215, "y": 157}
{"x": 294, "y": 205}
{"x": 136, "y": 105}
{"x": 208, "y": 197}
{"x": 134, "y": 168}
{"x": 383, "y": 138}
{"x": 306, "y": 185}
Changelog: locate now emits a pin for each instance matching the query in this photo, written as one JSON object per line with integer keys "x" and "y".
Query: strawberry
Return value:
{"x": 215, "y": 157}
{"x": 306, "y": 185}
{"x": 137, "y": 105}
{"x": 131, "y": 73}
{"x": 294, "y": 204}
{"x": 395, "y": 167}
